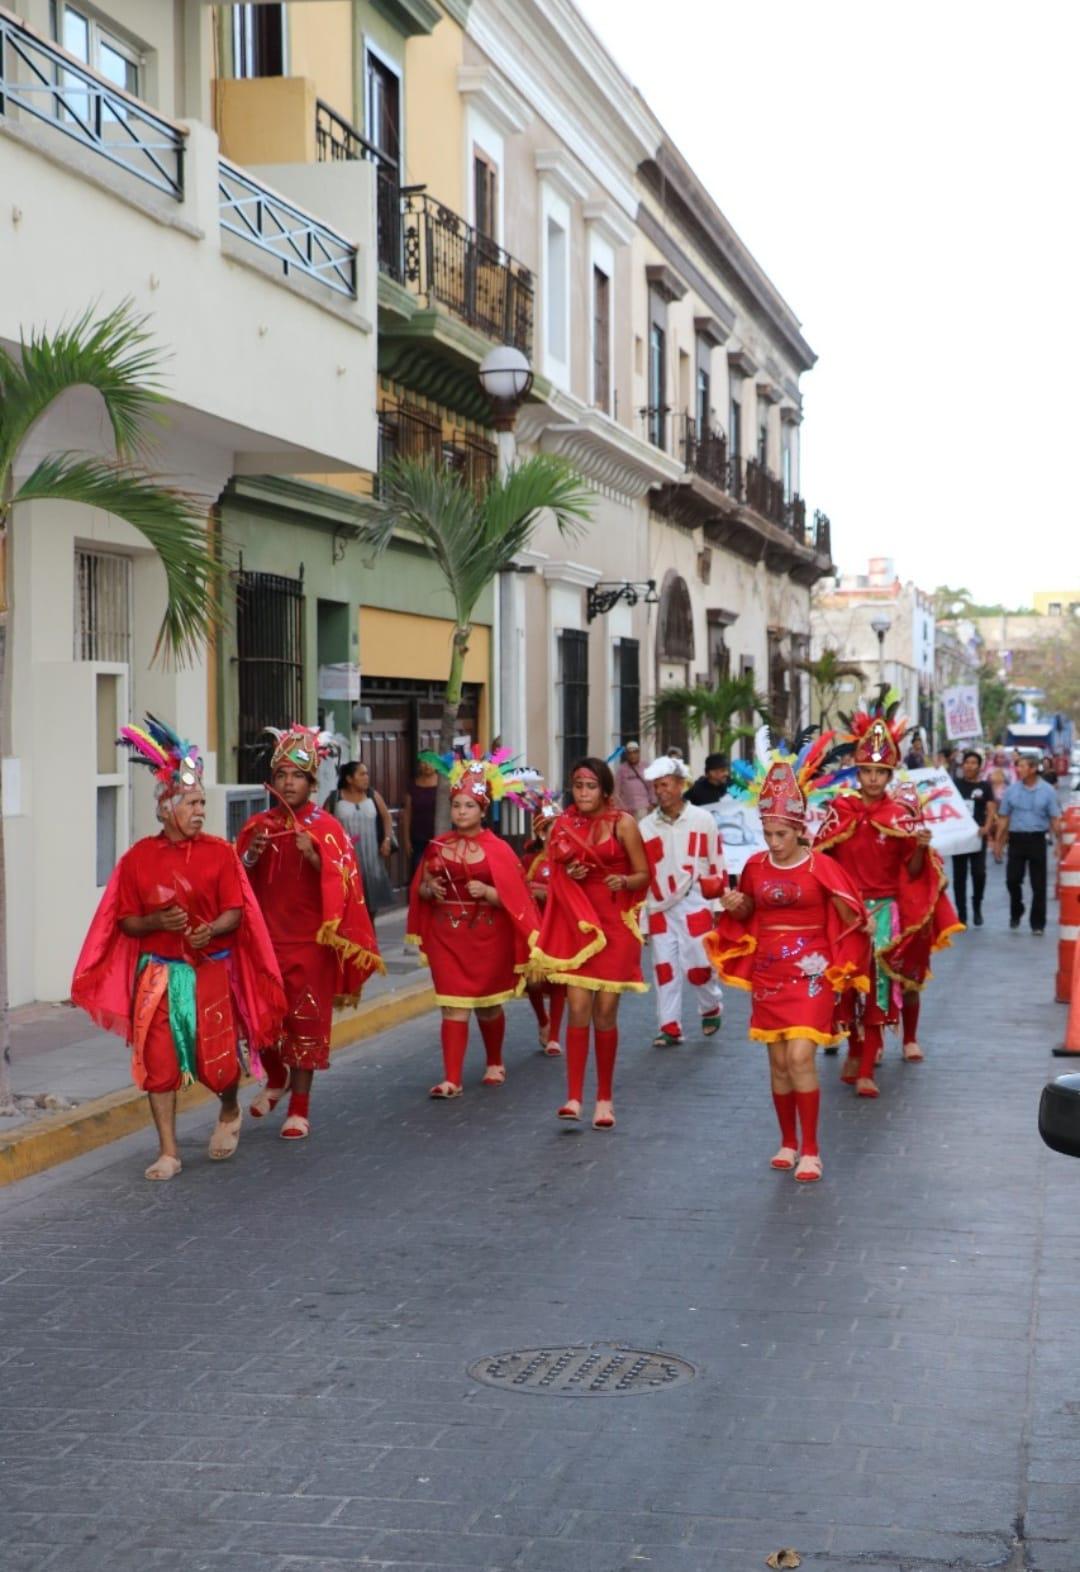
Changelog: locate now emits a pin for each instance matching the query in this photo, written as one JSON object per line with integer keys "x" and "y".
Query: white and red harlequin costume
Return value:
{"x": 686, "y": 875}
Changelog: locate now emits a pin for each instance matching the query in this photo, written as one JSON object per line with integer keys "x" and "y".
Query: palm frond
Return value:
{"x": 171, "y": 521}
{"x": 700, "y": 707}
{"x": 112, "y": 355}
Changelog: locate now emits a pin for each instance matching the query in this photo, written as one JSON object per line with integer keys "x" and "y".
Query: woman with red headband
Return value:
{"x": 589, "y": 937}
{"x": 471, "y": 913}
{"x": 794, "y": 935}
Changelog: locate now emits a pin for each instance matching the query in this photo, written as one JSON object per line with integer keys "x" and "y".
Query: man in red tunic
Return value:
{"x": 177, "y": 959}
{"x": 303, "y": 871}
{"x": 884, "y": 851}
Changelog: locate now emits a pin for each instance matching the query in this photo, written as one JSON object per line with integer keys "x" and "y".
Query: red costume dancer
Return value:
{"x": 885, "y": 854}
{"x": 177, "y": 959}
{"x": 303, "y": 871}
{"x": 794, "y": 935}
{"x": 548, "y": 999}
{"x": 471, "y": 913}
{"x": 910, "y": 957}
{"x": 589, "y": 937}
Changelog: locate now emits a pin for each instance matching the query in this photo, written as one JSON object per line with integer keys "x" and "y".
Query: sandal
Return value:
{"x": 570, "y": 1110}
{"x": 494, "y": 1075}
{"x": 850, "y": 1073}
{"x": 784, "y": 1159}
{"x": 444, "y": 1091}
{"x": 809, "y": 1170}
{"x": 267, "y": 1100}
{"x": 296, "y": 1128}
{"x": 710, "y": 1025}
{"x": 913, "y": 1054}
{"x": 866, "y": 1088}
{"x": 163, "y": 1168}
{"x": 603, "y": 1121}
{"x": 665, "y": 1040}
{"x": 225, "y": 1137}
{"x": 552, "y": 1050}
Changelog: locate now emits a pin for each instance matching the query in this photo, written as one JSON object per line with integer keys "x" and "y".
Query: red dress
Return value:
{"x": 319, "y": 925}
{"x": 182, "y": 1010}
{"x": 478, "y": 953}
{"x": 589, "y": 935}
{"x": 794, "y": 952}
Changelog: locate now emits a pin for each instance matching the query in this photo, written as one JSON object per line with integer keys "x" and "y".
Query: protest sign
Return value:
{"x": 962, "y": 719}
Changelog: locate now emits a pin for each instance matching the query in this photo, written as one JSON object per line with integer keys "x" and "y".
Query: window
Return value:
{"x": 1054, "y": 608}
{"x": 557, "y": 303}
{"x": 787, "y": 465}
{"x": 382, "y": 108}
{"x": 269, "y": 663}
{"x": 702, "y": 387}
{"x": 601, "y": 340}
{"x": 486, "y": 195}
{"x": 102, "y": 606}
{"x": 258, "y": 40}
{"x": 117, "y": 61}
{"x": 657, "y": 410}
{"x": 763, "y": 433}
{"x": 626, "y": 695}
{"x": 574, "y": 685}
{"x": 735, "y": 421}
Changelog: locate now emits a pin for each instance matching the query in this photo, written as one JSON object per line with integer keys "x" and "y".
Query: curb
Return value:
{"x": 43, "y": 1144}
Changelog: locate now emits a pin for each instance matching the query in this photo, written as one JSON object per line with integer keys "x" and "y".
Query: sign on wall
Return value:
{"x": 962, "y": 720}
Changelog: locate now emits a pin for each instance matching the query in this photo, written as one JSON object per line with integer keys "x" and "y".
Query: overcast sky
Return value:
{"x": 906, "y": 174}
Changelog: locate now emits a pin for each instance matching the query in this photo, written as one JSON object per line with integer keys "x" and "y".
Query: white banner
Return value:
{"x": 962, "y": 720}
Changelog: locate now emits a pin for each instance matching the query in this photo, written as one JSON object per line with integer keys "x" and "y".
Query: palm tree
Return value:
{"x": 827, "y": 677}
{"x": 113, "y": 356}
{"x": 715, "y": 708}
{"x": 472, "y": 536}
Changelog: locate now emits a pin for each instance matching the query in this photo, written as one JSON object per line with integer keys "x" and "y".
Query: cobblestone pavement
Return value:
{"x": 262, "y": 1367}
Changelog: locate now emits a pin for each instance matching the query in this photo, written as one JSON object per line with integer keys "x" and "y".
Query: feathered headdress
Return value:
{"x": 779, "y": 782}
{"x": 176, "y": 763}
{"x": 487, "y": 777}
{"x": 304, "y": 747}
{"x": 878, "y": 730}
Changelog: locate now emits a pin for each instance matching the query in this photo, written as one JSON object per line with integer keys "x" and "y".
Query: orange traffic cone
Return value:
{"x": 1068, "y": 921}
{"x": 1071, "y": 1045}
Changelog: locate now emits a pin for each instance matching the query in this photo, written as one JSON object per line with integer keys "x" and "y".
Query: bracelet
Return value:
{"x": 248, "y": 860}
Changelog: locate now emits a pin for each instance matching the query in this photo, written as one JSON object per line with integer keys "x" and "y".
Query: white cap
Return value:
{"x": 666, "y": 766}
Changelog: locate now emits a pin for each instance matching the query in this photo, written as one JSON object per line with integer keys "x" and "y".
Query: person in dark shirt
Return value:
{"x": 915, "y": 758}
{"x": 980, "y": 794}
{"x": 713, "y": 785}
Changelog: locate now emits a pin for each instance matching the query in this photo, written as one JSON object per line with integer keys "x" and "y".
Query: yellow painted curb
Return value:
{"x": 33, "y": 1147}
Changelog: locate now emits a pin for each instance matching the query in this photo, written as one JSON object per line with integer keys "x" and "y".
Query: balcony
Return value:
{"x": 408, "y": 432}
{"x": 448, "y": 263}
{"x": 336, "y": 141}
{"x": 283, "y": 233}
{"x": 739, "y": 502}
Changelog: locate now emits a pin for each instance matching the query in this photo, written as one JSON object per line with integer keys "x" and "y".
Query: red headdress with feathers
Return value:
{"x": 877, "y": 731}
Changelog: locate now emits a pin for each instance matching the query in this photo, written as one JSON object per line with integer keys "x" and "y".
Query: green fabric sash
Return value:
{"x": 881, "y": 916}
{"x": 183, "y": 1017}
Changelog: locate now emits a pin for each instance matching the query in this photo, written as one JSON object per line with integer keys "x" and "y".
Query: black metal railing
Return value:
{"x": 284, "y": 232}
{"x": 705, "y": 453}
{"x": 336, "y": 140}
{"x": 407, "y": 432}
{"x": 44, "y": 82}
{"x": 447, "y": 261}
{"x": 820, "y": 534}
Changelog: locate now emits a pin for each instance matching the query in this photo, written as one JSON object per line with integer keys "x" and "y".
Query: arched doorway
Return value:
{"x": 674, "y": 655}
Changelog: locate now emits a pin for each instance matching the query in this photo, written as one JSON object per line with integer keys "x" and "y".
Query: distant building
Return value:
{"x": 1056, "y": 602}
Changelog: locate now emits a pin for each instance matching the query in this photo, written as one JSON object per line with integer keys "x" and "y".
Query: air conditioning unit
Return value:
{"x": 704, "y": 564}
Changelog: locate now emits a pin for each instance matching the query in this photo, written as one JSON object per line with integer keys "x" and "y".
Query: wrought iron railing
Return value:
{"x": 284, "y": 232}
{"x": 47, "y": 84}
{"x": 447, "y": 261}
{"x": 822, "y": 534}
{"x": 408, "y": 432}
{"x": 336, "y": 140}
{"x": 704, "y": 452}
{"x": 473, "y": 458}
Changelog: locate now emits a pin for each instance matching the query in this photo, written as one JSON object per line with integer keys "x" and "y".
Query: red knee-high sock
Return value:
{"x": 455, "y": 1040}
{"x": 784, "y": 1103}
{"x": 577, "y": 1054}
{"x": 556, "y": 1006}
{"x": 277, "y": 1071}
{"x": 909, "y": 1011}
{"x": 536, "y": 999}
{"x": 493, "y": 1030}
{"x": 871, "y": 1042}
{"x": 299, "y": 1103}
{"x": 808, "y": 1104}
{"x": 607, "y": 1046}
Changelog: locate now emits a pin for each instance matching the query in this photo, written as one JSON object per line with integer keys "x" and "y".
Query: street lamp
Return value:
{"x": 507, "y": 378}
{"x": 881, "y": 625}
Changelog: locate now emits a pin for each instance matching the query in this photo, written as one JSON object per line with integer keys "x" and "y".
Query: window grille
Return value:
{"x": 628, "y": 681}
{"x": 102, "y": 606}
{"x": 269, "y": 662}
{"x": 574, "y": 682}
{"x": 240, "y": 806}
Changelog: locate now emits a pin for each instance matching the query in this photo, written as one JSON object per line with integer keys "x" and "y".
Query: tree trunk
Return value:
{"x": 448, "y": 724}
{"x": 7, "y": 1101}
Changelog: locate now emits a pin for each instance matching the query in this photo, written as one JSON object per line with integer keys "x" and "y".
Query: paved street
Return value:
{"x": 262, "y": 1367}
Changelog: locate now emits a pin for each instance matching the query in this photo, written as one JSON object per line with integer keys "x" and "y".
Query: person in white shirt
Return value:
{"x": 686, "y": 875}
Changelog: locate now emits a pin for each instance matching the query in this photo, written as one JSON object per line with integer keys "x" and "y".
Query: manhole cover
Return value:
{"x": 601, "y": 1370}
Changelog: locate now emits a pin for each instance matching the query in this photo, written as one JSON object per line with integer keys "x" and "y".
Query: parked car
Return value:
{"x": 1059, "y": 1115}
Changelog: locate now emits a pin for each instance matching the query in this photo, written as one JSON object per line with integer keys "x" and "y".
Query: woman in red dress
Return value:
{"x": 589, "y": 937}
{"x": 471, "y": 913}
{"x": 548, "y": 999}
{"x": 794, "y": 934}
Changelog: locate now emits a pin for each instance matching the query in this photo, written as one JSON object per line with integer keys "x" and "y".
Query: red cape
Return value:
{"x": 508, "y": 877}
{"x": 346, "y": 925}
{"x": 731, "y": 946}
{"x": 927, "y": 916}
{"x": 104, "y": 980}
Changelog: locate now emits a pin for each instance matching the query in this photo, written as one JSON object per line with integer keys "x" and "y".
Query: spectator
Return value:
{"x": 984, "y": 811}
{"x": 945, "y": 759}
{"x": 633, "y": 792}
{"x": 418, "y": 813}
{"x": 367, "y": 823}
{"x": 1027, "y": 811}
{"x": 713, "y": 785}
{"x": 915, "y": 758}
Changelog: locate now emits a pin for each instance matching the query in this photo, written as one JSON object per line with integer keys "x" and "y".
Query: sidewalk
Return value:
{"x": 80, "y": 1076}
